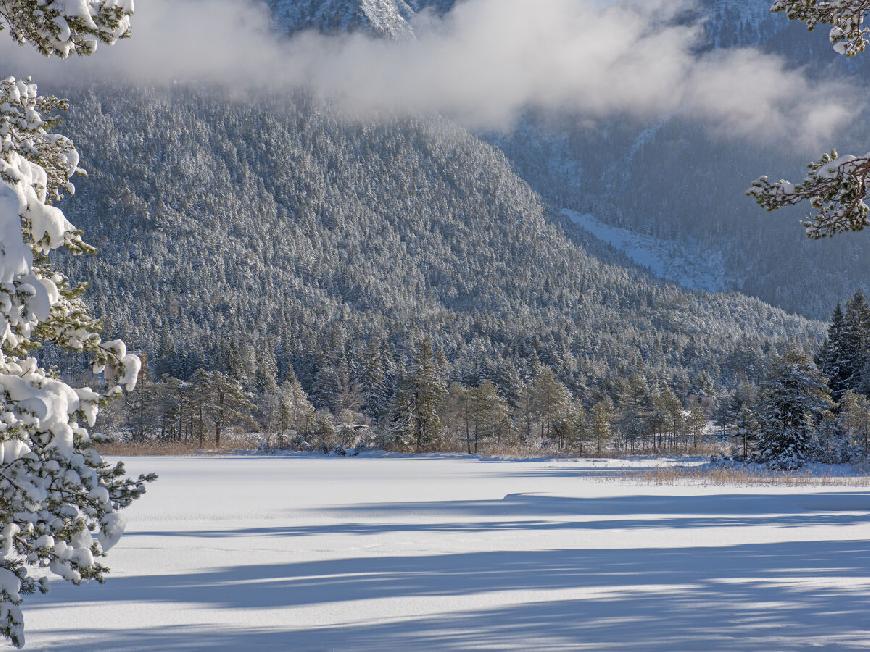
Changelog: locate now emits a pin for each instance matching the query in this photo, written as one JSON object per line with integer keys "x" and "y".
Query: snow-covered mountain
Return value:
{"x": 384, "y": 18}
{"x": 739, "y": 22}
{"x": 728, "y": 22}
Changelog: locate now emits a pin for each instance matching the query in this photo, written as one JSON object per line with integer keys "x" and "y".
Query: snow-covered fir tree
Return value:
{"x": 376, "y": 383}
{"x": 845, "y": 353}
{"x": 295, "y": 410}
{"x": 830, "y": 356}
{"x": 415, "y": 420}
{"x": 65, "y": 28}
{"x": 602, "y": 421}
{"x": 854, "y": 420}
{"x": 225, "y": 400}
{"x": 794, "y": 398}
{"x": 488, "y": 415}
{"x": 60, "y": 501}
{"x": 855, "y": 346}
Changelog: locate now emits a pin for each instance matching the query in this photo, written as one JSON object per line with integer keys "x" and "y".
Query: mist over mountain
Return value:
{"x": 670, "y": 178}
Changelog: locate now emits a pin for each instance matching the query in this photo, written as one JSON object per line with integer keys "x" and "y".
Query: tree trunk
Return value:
{"x": 467, "y": 428}
{"x": 218, "y": 423}
{"x": 201, "y": 427}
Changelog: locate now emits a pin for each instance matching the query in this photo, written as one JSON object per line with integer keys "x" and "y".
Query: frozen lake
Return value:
{"x": 455, "y": 554}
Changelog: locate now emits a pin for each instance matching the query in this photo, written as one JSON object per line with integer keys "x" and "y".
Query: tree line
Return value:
{"x": 418, "y": 410}
{"x": 793, "y": 409}
{"x": 808, "y": 408}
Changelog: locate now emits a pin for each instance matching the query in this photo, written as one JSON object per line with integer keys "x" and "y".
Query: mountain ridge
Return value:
{"x": 383, "y": 18}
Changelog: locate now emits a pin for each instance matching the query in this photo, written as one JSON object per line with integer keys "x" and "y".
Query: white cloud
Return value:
{"x": 483, "y": 65}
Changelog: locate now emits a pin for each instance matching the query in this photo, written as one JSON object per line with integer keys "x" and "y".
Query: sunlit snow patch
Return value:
{"x": 666, "y": 259}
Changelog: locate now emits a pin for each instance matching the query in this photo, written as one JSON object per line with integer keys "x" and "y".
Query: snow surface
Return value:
{"x": 454, "y": 554}
{"x": 669, "y": 260}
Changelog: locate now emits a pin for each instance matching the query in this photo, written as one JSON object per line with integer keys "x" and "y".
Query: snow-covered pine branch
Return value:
{"x": 846, "y": 18}
{"x": 63, "y": 27}
{"x": 836, "y": 188}
{"x": 59, "y": 501}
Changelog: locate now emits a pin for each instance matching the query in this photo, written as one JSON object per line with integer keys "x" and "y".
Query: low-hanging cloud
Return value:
{"x": 483, "y": 64}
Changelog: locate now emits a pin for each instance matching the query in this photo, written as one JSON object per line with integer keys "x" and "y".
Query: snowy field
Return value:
{"x": 456, "y": 554}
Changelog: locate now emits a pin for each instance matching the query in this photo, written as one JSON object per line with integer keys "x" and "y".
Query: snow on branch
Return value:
{"x": 846, "y": 18}
{"x": 59, "y": 501}
{"x": 836, "y": 188}
{"x": 63, "y": 27}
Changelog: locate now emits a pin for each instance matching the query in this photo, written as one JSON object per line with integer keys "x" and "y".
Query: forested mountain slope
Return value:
{"x": 217, "y": 218}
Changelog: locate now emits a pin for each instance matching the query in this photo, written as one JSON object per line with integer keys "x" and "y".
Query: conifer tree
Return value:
{"x": 225, "y": 402}
{"x": 854, "y": 419}
{"x": 634, "y": 408}
{"x": 326, "y": 390}
{"x": 266, "y": 369}
{"x": 489, "y": 414}
{"x": 741, "y": 411}
{"x": 456, "y": 415}
{"x": 845, "y": 353}
{"x": 427, "y": 390}
{"x": 240, "y": 361}
{"x": 672, "y": 410}
{"x": 855, "y": 342}
{"x": 61, "y": 29}
{"x": 550, "y": 399}
{"x": 401, "y": 426}
{"x": 574, "y": 430}
{"x": 602, "y": 416}
{"x": 415, "y": 420}
{"x": 60, "y": 500}
{"x": 696, "y": 419}
{"x": 794, "y": 398}
{"x": 846, "y": 19}
{"x": 294, "y": 409}
{"x": 746, "y": 426}
{"x": 830, "y": 357}
{"x": 375, "y": 381}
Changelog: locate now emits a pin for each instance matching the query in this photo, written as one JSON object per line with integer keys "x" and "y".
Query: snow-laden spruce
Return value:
{"x": 836, "y": 186}
{"x": 63, "y": 27}
{"x": 793, "y": 402}
{"x": 59, "y": 501}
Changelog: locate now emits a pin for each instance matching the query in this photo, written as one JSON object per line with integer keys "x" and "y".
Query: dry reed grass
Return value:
{"x": 231, "y": 444}
{"x": 706, "y": 476}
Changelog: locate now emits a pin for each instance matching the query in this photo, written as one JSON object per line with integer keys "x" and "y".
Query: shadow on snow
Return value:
{"x": 742, "y": 597}
{"x": 734, "y": 597}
